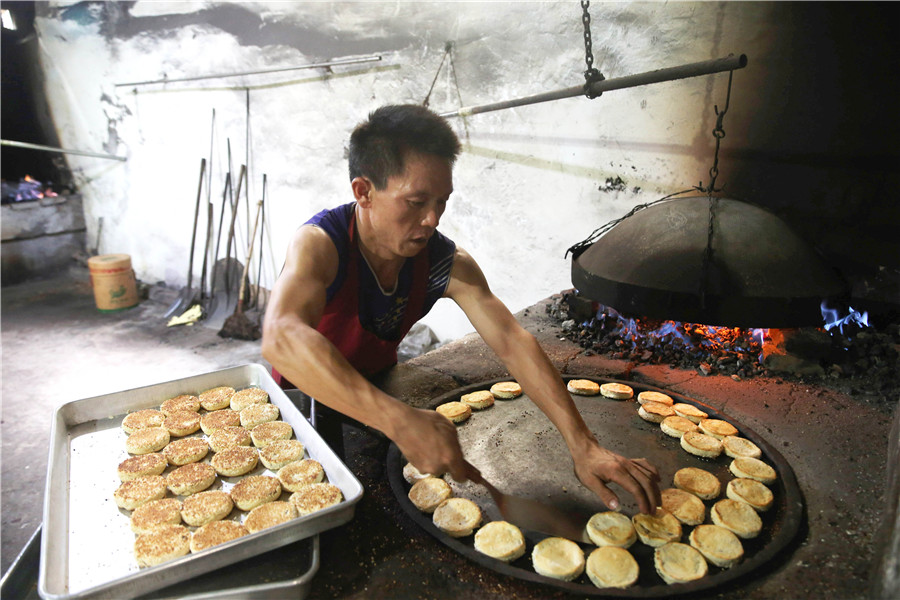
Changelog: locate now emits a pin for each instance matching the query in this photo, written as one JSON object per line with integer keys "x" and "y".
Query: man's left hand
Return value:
{"x": 596, "y": 467}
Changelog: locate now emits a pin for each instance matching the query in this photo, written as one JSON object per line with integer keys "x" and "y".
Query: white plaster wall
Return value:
{"x": 527, "y": 184}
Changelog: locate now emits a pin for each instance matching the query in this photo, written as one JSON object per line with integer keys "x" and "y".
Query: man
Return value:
{"x": 357, "y": 277}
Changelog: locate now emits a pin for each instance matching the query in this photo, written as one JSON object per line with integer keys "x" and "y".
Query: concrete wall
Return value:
{"x": 804, "y": 133}
{"x": 41, "y": 238}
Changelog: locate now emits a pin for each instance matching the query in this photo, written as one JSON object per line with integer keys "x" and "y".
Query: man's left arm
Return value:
{"x": 595, "y": 466}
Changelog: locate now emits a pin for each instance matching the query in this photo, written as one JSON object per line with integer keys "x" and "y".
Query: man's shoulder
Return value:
{"x": 336, "y": 217}
{"x": 335, "y": 222}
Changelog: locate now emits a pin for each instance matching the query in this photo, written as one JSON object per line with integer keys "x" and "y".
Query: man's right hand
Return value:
{"x": 429, "y": 441}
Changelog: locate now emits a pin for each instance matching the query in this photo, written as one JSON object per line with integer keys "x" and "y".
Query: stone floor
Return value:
{"x": 57, "y": 347}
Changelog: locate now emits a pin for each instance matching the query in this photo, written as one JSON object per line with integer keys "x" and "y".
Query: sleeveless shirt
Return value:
{"x": 365, "y": 322}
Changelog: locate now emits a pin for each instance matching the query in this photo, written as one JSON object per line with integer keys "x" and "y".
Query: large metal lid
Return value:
{"x": 759, "y": 274}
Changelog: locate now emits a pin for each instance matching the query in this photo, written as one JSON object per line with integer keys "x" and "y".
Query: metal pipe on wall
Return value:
{"x": 333, "y": 63}
{"x": 707, "y": 67}
{"x": 60, "y": 150}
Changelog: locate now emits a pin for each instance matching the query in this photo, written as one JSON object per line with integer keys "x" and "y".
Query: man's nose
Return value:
{"x": 431, "y": 218}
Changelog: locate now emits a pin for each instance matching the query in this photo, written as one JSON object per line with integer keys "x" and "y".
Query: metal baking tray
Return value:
{"x": 517, "y": 449}
{"x": 285, "y": 572}
{"x": 86, "y": 542}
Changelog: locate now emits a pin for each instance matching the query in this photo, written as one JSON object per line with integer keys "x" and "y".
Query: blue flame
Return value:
{"x": 630, "y": 333}
{"x": 833, "y": 318}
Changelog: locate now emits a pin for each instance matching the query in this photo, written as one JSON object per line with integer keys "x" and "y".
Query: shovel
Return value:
{"x": 254, "y": 303}
{"x": 203, "y": 297}
{"x": 187, "y": 296}
{"x": 230, "y": 270}
{"x": 213, "y": 297}
{"x": 238, "y": 326}
{"x": 537, "y": 516}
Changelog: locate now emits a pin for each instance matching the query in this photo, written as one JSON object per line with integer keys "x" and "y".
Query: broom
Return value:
{"x": 238, "y": 326}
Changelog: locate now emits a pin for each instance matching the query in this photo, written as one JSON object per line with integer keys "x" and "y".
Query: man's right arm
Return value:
{"x": 310, "y": 361}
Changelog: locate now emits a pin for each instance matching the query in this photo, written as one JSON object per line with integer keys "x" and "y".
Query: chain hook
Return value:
{"x": 719, "y": 133}
{"x": 591, "y": 75}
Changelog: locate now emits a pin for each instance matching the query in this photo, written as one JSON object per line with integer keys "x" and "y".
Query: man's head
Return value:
{"x": 379, "y": 146}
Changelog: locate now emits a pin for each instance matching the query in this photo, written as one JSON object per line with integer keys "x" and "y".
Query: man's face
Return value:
{"x": 407, "y": 211}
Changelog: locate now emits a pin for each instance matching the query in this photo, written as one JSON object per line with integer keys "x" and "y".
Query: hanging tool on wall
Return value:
{"x": 238, "y": 325}
{"x": 254, "y": 303}
{"x": 214, "y": 295}
{"x": 187, "y": 296}
{"x": 204, "y": 297}
{"x": 227, "y": 305}
{"x": 230, "y": 278}
{"x": 247, "y": 152}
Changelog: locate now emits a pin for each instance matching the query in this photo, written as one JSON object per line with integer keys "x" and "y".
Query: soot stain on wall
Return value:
{"x": 249, "y": 28}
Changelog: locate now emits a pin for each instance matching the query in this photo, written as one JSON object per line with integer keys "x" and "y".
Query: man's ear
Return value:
{"x": 361, "y": 187}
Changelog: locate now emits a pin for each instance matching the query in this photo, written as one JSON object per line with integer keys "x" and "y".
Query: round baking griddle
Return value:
{"x": 517, "y": 449}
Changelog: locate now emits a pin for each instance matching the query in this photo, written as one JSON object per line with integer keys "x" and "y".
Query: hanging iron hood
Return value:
{"x": 759, "y": 273}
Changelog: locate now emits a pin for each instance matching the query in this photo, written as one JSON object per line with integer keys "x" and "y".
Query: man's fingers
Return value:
{"x": 648, "y": 468}
{"x": 648, "y": 486}
{"x": 608, "y": 497}
{"x": 648, "y": 478}
{"x": 460, "y": 470}
{"x": 637, "y": 490}
{"x": 435, "y": 447}
{"x": 635, "y": 481}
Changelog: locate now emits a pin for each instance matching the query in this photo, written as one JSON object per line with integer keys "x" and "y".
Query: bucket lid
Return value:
{"x": 109, "y": 261}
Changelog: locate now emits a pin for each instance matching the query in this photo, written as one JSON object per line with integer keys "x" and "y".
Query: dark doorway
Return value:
{"x": 26, "y": 115}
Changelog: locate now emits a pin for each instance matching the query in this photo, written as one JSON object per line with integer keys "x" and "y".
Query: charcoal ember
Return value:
{"x": 580, "y": 308}
{"x": 870, "y": 356}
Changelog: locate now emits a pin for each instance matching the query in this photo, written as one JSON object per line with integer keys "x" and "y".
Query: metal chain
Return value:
{"x": 708, "y": 252}
{"x": 578, "y": 248}
{"x": 718, "y": 133}
{"x": 458, "y": 94}
{"x": 447, "y": 48}
{"x": 591, "y": 75}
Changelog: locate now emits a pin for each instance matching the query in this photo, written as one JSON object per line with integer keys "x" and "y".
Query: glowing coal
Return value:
{"x": 709, "y": 349}
{"x": 846, "y": 347}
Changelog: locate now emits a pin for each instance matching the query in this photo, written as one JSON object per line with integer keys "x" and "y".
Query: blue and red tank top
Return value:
{"x": 365, "y": 322}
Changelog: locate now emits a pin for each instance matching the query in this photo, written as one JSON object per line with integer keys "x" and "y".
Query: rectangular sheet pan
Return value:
{"x": 86, "y": 544}
{"x": 285, "y": 572}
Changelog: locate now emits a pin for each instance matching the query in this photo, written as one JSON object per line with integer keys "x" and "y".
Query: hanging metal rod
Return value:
{"x": 333, "y": 63}
{"x": 708, "y": 67}
{"x": 60, "y": 150}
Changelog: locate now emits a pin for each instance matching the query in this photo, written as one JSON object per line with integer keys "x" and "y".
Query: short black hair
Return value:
{"x": 378, "y": 147}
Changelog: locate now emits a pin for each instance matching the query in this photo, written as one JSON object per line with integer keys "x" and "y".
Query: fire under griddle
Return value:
{"x": 517, "y": 448}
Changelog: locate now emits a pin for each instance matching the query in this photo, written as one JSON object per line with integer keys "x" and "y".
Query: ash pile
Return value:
{"x": 864, "y": 357}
